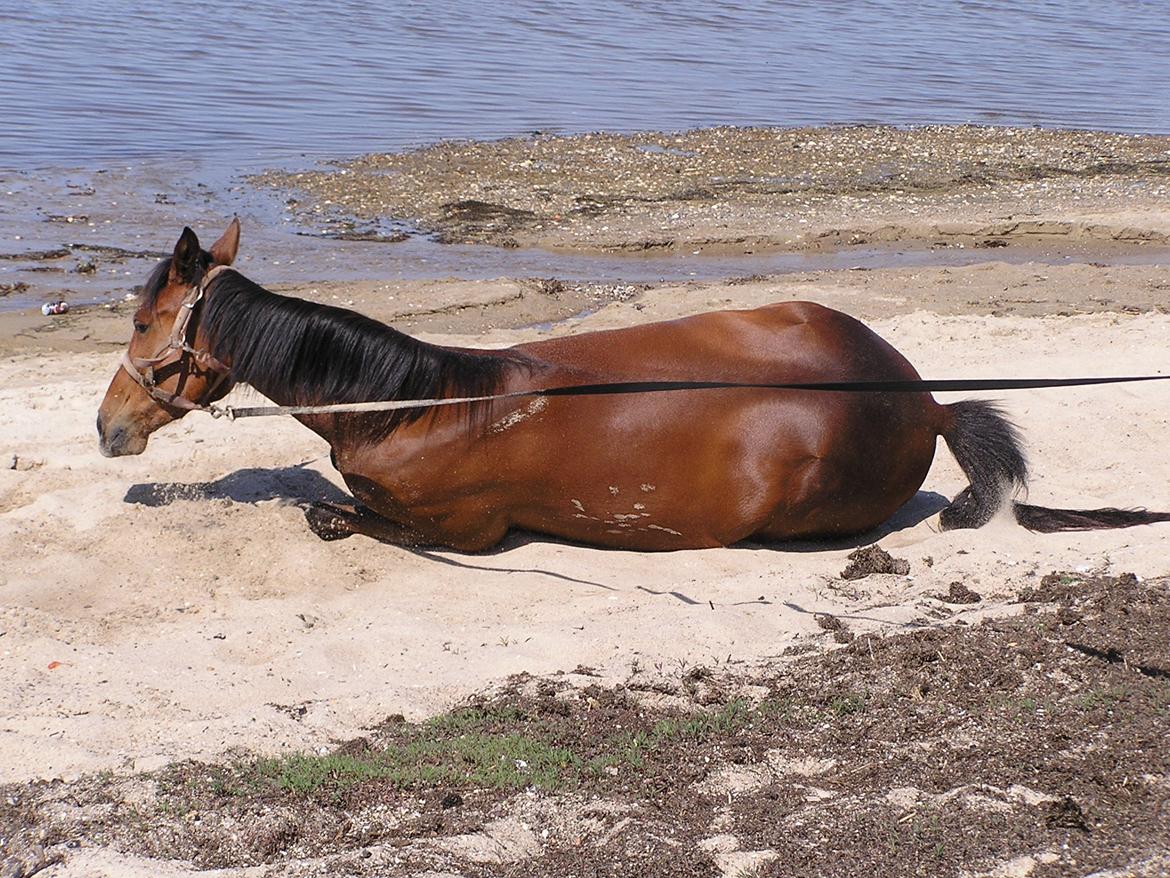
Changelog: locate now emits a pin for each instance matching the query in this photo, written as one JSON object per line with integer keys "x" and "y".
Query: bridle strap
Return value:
{"x": 142, "y": 369}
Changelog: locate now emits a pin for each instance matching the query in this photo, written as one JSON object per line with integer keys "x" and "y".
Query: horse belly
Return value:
{"x": 684, "y": 470}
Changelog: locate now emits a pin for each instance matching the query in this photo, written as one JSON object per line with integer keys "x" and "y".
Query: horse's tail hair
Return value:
{"x": 989, "y": 450}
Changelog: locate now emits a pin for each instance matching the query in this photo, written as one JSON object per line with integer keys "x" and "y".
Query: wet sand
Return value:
{"x": 175, "y": 605}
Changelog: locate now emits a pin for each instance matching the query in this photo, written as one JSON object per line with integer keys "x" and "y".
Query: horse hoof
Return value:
{"x": 326, "y": 524}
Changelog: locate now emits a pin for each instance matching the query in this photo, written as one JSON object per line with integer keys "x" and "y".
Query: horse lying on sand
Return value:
{"x": 647, "y": 471}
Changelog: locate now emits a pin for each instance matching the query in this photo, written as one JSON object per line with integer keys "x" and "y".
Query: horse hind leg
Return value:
{"x": 335, "y": 521}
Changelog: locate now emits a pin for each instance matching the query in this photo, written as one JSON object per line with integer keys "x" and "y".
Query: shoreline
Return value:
{"x": 605, "y": 208}
{"x": 538, "y": 306}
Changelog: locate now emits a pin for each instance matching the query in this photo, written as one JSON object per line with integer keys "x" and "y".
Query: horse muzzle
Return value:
{"x": 114, "y": 440}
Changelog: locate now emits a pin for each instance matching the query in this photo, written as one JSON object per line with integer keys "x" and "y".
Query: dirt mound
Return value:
{"x": 873, "y": 559}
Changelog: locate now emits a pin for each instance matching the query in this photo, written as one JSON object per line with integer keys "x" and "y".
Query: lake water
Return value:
{"x": 84, "y": 83}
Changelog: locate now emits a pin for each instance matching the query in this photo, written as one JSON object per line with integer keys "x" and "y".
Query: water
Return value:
{"x": 137, "y": 118}
{"x": 86, "y": 83}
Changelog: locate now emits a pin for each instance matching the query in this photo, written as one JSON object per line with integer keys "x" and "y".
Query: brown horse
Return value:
{"x": 636, "y": 471}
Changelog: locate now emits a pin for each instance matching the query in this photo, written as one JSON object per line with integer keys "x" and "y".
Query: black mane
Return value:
{"x": 311, "y": 354}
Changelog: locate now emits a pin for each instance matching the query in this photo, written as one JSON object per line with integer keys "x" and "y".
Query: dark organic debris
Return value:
{"x": 473, "y": 210}
{"x": 28, "y": 861}
{"x": 376, "y": 237}
{"x": 835, "y": 626}
{"x": 966, "y": 724}
{"x": 1065, "y": 813}
{"x": 873, "y": 559}
{"x": 1065, "y": 588}
{"x": 1114, "y": 656}
{"x": 958, "y": 593}
{"x": 38, "y": 255}
{"x": 117, "y": 253}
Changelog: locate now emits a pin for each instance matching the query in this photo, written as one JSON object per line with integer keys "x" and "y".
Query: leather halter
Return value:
{"x": 143, "y": 369}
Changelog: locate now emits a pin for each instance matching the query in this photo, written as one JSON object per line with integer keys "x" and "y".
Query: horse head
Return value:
{"x": 166, "y": 370}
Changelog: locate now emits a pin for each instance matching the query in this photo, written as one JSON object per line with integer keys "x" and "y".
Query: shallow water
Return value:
{"x": 87, "y": 82}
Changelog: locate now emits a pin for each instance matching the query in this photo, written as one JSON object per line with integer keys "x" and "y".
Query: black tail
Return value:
{"x": 987, "y": 446}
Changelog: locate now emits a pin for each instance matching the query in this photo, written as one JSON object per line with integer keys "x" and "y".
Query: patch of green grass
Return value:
{"x": 497, "y": 761}
{"x": 730, "y": 718}
{"x": 470, "y": 719}
{"x": 491, "y": 747}
{"x": 1099, "y": 699}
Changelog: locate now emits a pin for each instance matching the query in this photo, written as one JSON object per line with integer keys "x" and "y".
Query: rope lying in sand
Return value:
{"x": 622, "y": 387}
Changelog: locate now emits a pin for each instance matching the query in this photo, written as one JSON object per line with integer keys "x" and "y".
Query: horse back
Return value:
{"x": 790, "y": 341}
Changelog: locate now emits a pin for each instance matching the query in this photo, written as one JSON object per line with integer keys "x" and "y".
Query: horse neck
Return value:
{"x": 301, "y": 353}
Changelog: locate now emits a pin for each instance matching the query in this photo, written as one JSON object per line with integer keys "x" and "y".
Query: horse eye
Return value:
{"x": 139, "y": 326}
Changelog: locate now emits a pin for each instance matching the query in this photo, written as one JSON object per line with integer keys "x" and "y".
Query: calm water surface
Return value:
{"x": 85, "y": 83}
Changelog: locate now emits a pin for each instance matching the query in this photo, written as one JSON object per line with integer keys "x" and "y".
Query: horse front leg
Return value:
{"x": 336, "y": 521}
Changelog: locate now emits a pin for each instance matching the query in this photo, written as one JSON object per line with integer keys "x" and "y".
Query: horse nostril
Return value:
{"x": 99, "y": 423}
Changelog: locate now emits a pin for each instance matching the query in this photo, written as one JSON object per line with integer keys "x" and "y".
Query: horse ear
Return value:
{"x": 185, "y": 259}
{"x": 223, "y": 251}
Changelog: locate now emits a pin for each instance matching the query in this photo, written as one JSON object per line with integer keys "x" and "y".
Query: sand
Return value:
{"x": 175, "y": 604}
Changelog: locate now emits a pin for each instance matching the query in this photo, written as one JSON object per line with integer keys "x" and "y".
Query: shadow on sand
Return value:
{"x": 301, "y": 486}
{"x": 297, "y": 484}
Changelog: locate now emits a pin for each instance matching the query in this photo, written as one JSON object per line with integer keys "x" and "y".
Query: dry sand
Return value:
{"x": 190, "y": 610}
{"x": 175, "y": 605}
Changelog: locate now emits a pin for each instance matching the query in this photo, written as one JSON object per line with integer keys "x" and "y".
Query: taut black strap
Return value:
{"x": 920, "y": 385}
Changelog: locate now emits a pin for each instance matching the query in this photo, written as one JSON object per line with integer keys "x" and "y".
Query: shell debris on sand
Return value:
{"x": 740, "y": 188}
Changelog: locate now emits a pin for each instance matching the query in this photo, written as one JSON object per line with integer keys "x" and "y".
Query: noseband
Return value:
{"x": 143, "y": 369}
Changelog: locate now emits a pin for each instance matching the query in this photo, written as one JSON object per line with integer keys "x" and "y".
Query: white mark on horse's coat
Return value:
{"x": 667, "y": 529}
{"x": 511, "y": 419}
{"x": 613, "y": 490}
{"x": 648, "y": 488}
{"x": 577, "y": 503}
{"x": 639, "y": 505}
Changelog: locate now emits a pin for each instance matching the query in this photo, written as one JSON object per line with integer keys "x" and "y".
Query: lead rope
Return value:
{"x": 621, "y": 387}
{"x": 178, "y": 342}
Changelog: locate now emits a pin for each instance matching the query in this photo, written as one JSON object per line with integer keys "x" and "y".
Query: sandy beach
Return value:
{"x": 175, "y": 606}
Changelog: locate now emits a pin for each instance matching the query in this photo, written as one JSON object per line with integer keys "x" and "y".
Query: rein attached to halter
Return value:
{"x": 921, "y": 385}
{"x": 142, "y": 370}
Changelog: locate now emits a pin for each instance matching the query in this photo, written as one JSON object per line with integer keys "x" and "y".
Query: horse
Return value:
{"x": 640, "y": 471}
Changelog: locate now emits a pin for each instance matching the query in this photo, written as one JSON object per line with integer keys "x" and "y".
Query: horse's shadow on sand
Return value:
{"x": 296, "y": 485}
{"x": 299, "y": 486}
